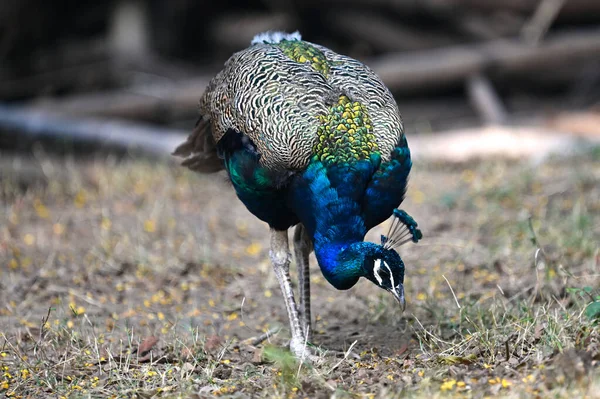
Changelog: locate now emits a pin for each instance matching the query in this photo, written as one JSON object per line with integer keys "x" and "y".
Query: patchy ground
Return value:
{"x": 140, "y": 279}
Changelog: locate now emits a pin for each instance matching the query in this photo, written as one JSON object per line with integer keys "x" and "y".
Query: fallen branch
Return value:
{"x": 485, "y": 100}
{"x": 571, "y": 7}
{"x": 453, "y": 146}
{"x": 542, "y": 19}
{"x": 97, "y": 70}
{"x": 156, "y": 102}
{"x": 451, "y": 65}
{"x": 382, "y": 33}
{"x": 437, "y": 7}
{"x": 401, "y": 72}
{"x": 254, "y": 341}
{"x": 31, "y": 125}
{"x": 92, "y": 74}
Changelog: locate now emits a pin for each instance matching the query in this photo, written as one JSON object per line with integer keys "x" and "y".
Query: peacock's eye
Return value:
{"x": 384, "y": 273}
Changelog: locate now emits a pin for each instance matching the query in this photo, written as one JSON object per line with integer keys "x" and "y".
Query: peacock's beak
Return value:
{"x": 398, "y": 293}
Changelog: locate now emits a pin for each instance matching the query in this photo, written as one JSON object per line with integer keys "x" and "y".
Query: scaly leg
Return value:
{"x": 280, "y": 257}
{"x": 302, "y": 248}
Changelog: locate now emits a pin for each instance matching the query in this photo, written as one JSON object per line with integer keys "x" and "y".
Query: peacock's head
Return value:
{"x": 385, "y": 269}
{"x": 383, "y": 265}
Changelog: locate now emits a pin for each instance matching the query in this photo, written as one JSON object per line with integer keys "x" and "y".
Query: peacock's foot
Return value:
{"x": 312, "y": 354}
{"x": 301, "y": 349}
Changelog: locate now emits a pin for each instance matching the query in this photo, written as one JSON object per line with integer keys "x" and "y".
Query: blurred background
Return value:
{"x": 451, "y": 64}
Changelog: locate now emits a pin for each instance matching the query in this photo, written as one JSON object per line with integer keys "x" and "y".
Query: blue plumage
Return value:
{"x": 261, "y": 189}
{"x": 388, "y": 186}
{"x": 337, "y": 204}
{"x": 332, "y": 216}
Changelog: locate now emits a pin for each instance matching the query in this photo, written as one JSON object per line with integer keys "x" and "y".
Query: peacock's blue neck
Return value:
{"x": 326, "y": 200}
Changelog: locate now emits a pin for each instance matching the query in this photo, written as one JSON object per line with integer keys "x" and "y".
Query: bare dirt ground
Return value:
{"x": 137, "y": 278}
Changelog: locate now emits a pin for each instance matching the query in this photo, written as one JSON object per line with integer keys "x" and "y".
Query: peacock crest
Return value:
{"x": 345, "y": 134}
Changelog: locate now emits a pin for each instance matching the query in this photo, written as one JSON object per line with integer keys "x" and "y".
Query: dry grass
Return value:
{"x": 138, "y": 279}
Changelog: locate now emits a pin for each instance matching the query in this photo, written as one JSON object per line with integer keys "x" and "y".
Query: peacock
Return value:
{"x": 313, "y": 139}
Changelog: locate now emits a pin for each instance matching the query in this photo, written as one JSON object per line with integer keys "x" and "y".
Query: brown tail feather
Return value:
{"x": 199, "y": 149}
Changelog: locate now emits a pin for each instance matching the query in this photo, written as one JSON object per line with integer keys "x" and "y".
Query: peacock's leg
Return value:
{"x": 302, "y": 248}
{"x": 280, "y": 257}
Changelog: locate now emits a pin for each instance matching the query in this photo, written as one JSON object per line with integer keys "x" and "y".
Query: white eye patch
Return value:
{"x": 377, "y": 270}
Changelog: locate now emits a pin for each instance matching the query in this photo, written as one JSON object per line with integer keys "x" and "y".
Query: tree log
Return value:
{"x": 156, "y": 102}
{"x": 29, "y": 125}
{"x": 454, "y": 146}
{"x": 450, "y": 65}
{"x": 383, "y": 33}
{"x": 485, "y": 100}
{"x": 571, "y": 7}
{"x": 402, "y": 72}
{"x": 584, "y": 8}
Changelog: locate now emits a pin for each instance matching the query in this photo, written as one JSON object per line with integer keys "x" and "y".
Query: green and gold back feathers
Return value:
{"x": 294, "y": 100}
